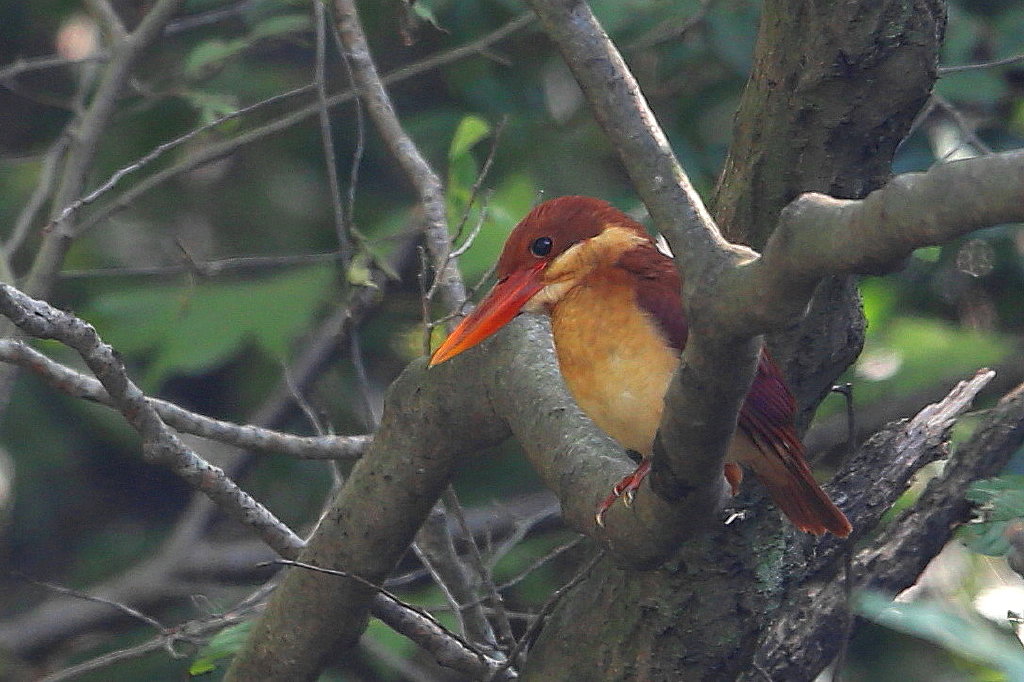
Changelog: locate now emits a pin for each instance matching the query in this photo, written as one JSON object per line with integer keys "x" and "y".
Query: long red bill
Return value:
{"x": 504, "y": 302}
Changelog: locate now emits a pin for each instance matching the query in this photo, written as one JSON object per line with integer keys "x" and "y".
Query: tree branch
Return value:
{"x": 159, "y": 444}
{"x": 705, "y": 395}
{"x": 818, "y": 235}
{"x": 806, "y": 632}
{"x": 429, "y": 190}
{"x": 125, "y": 53}
{"x": 240, "y": 435}
{"x": 510, "y": 385}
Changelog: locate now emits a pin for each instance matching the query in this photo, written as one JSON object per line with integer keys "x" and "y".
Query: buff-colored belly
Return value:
{"x": 614, "y": 361}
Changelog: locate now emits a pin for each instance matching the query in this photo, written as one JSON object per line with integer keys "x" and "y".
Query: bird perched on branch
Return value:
{"x": 619, "y": 328}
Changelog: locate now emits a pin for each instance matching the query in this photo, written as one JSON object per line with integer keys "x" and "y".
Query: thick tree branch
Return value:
{"x": 819, "y": 236}
{"x": 510, "y": 385}
{"x": 806, "y": 633}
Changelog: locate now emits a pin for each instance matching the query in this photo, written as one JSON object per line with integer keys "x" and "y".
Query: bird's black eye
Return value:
{"x": 541, "y": 246}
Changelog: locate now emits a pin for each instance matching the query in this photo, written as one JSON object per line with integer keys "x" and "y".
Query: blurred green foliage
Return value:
{"x": 86, "y": 505}
{"x": 965, "y": 636}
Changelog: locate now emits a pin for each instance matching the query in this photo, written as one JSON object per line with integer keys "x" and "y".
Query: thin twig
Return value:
{"x": 960, "y": 68}
{"x": 451, "y": 501}
{"x": 208, "y": 268}
{"x": 84, "y": 145}
{"x": 326, "y": 136}
{"x": 478, "y": 183}
{"x": 430, "y": 192}
{"x": 674, "y": 29}
{"x": 249, "y": 436}
{"x": 547, "y": 608}
{"x": 30, "y": 64}
{"x": 41, "y": 191}
{"x": 493, "y": 667}
{"x": 123, "y": 608}
{"x": 214, "y": 152}
{"x": 107, "y": 16}
{"x": 193, "y": 632}
{"x": 162, "y": 149}
{"x": 962, "y": 124}
{"x": 360, "y": 139}
{"x": 426, "y": 557}
{"x": 557, "y": 551}
{"x": 159, "y": 445}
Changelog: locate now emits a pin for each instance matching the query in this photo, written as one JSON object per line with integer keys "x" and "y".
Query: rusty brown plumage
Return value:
{"x": 619, "y": 326}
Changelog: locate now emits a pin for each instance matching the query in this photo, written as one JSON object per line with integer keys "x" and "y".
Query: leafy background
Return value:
{"x": 84, "y": 505}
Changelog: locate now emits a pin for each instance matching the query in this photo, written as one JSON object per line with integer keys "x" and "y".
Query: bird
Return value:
{"x": 619, "y": 327}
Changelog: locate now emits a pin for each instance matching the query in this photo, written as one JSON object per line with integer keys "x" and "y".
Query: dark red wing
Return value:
{"x": 769, "y": 410}
{"x": 658, "y": 290}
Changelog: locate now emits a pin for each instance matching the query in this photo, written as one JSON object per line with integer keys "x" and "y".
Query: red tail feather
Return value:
{"x": 797, "y": 494}
{"x": 776, "y": 454}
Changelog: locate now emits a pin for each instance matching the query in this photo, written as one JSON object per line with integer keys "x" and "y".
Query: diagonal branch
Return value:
{"x": 240, "y": 435}
{"x": 159, "y": 444}
{"x": 125, "y": 54}
{"x": 817, "y": 235}
{"x": 806, "y": 633}
{"x": 427, "y": 184}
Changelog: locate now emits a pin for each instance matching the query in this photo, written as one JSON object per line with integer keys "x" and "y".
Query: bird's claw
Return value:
{"x": 624, "y": 490}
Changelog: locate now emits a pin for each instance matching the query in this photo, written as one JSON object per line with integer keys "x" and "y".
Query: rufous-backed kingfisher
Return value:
{"x": 618, "y": 324}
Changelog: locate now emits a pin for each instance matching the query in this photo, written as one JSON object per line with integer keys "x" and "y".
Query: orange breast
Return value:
{"x": 613, "y": 357}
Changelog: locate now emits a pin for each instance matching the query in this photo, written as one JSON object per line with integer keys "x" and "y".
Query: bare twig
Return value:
{"x": 241, "y": 435}
{"x": 41, "y": 191}
{"x": 160, "y": 445}
{"x": 447, "y": 647}
{"x": 208, "y": 268}
{"x": 435, "y": 550}
{"x": 192, "y": 632}
{"x": 486, "y": 579}
{"x": 670, "y": 30}
{"x": 548, "y": 607}
{"x": 326, "y": 136}
{"x": 557, "y": 551}
{"x": 123, "y": 608}
{"x": 162, "y": 149}
{"x": 428, "y": 186}
{"x": 220, "y": 150}
{"x": 85, "y": 143}
{"x": 961, "y": 123}
{"x": 28, "y": 65}
{"x": 108, "y": 18}
{"x": 960, "y": 68}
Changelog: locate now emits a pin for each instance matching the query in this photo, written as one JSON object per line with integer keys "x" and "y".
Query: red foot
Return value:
{"x": 626, "y": 489}
{"x": 734, "y": 475}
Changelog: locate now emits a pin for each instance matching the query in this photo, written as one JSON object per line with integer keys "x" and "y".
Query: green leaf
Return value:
{"x": 274, "y": 27}
{"x": 471, "y": 130}
{"x": 971, "y": 638}
{"x": 208, "y": 54}
{"x": 224, "y": 644}
{"x": 211, "y": 105}
{"x": 188, "y": 330}
{"x": 997, "y": 502}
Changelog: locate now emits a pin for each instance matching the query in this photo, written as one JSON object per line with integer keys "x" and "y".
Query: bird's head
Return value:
{"x": 549, "y": 251}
